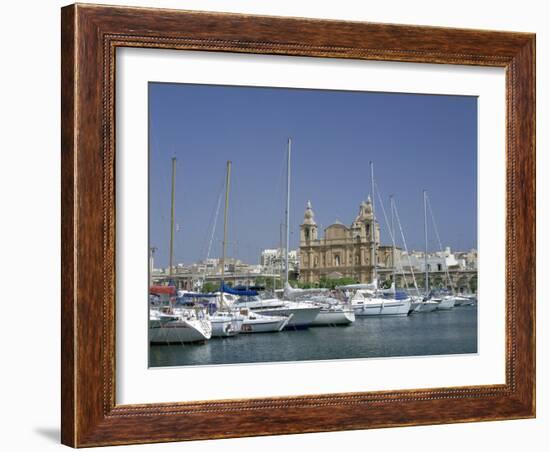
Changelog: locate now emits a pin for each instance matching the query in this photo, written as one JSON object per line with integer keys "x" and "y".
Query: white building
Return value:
{"x": 272, "y": 260}
{"x": 439, "y": 260}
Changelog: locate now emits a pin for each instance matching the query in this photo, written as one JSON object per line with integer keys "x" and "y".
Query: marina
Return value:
{"x": 450, "y": 332}
{"x": 345, "y": 295}
{"x": 361, "y": 320}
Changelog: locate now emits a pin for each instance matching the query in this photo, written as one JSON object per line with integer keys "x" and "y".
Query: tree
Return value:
{"x": 420, "y": 281}
{"x": 437, "y": 281}
{"x": 473, "y": 283}
{"x": 329, "y": 283}
{"x": 462, "y": 284}
{"x": 387, "y": 283}
{"x": 210, "y": 287}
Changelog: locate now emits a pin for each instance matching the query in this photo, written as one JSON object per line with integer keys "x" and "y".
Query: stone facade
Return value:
{"x": 343, "y": 251}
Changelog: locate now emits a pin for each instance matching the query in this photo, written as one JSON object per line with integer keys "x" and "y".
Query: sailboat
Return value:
{"x": 416, "y": 299}
{"x": 167, "y": 323}
{"x": 444, "y": 302}
{"x": 463, "y": 300}
{"x": 254, "y": 322}
{"x": 375, "y": 303}
{"x": 303, "y": 314}
{"x": 232, "y": 318}
{"x": 333, "y": 311}
{"x": 225, "y": 323}
{"x": 179, "y": 329}
{"x": 398, "y": 305}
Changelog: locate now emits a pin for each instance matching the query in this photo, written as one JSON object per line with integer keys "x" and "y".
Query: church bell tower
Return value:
{"x": 308, "y": 229}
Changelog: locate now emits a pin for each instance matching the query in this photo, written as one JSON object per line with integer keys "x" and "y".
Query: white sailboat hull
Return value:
{"x": 463, "y": 301}
{"x": 263, "y": 324}
{"x": 446, "y": 303}
{"x": 383, "y": 307}
{"x": 180, "y": 331}
{"x": 299, "y": 317}
{"x": 426, "y": 306}
{"x": 334, "y": 317}
{"x": 225, "y": 326}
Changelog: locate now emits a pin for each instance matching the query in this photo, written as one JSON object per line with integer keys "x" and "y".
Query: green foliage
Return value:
{"x": 268, "y": 283}
{"x": 436, "y": 281}
{"x": 329, "y": 283}
{"x": 303, "y": 285}
{"x": 473, "y": 284}
{"x": 210, "y": 287}
{"x": 387, "y": 283}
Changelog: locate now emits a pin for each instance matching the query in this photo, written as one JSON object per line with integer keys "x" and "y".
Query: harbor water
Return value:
{"x": 420, "y": 334}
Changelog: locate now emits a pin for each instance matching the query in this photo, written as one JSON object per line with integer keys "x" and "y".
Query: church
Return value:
{"x": 343, "y": 252}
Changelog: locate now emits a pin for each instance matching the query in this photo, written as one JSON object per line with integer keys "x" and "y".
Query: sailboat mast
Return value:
{"x": 281, "y": 252}
{"x": 287, "y": 210}
{"x": 427, "y": 281}
{"x": 172, "y": 210}
{"x": 373, "y": 230}
{"x": 393, "y": 242}
{"x": 224, "y": 244}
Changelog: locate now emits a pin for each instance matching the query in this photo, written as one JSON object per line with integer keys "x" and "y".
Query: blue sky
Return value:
{"x": 415, "y": 141}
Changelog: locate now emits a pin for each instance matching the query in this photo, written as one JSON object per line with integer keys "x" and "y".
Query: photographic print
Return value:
{"x": 303, "y": 224}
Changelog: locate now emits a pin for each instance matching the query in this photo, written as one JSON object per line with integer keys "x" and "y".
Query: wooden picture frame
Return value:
{"x": 90, "y": 36}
